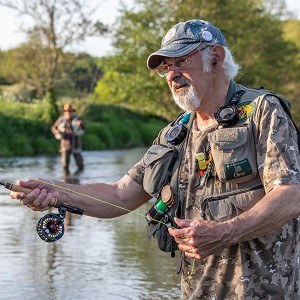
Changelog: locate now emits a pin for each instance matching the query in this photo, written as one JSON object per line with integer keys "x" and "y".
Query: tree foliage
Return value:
{"x": 291, "y": 29}
{"x": 254, "y": 34}
{"x": 79, "y": 74}
{"x": 56, "y": 25}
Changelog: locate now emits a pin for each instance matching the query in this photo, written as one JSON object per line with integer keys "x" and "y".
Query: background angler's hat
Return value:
{"x": 68, "y": 107}
{"x": 184, "y": 37}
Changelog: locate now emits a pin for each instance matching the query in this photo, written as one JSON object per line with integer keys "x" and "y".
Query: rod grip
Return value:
{"x": 20, "y": 189}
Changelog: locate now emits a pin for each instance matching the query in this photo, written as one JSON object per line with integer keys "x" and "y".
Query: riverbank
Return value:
{"x": 25, "y": 128}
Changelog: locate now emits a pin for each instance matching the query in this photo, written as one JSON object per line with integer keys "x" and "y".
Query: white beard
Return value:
{"x": 187, "y": 100}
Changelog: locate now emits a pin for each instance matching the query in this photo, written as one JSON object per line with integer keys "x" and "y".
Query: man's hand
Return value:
{"x": 41, "y": 196}
{"x": 199, "y": 239}
{"x": 58, "y": 136}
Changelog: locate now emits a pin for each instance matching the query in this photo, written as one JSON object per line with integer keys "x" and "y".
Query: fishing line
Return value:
{"x": 96, "y": 199}
{"x": 189, "y": 277}
{"x": 44, "y": 270}
{"x": 81, "y": 194}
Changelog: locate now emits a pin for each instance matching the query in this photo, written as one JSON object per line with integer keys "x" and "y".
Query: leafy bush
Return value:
{"x": 92, "y": 142}
{"x": 43, "y": 145}
{"x": 20, "y": 145}
{"x": 25, "y": 128}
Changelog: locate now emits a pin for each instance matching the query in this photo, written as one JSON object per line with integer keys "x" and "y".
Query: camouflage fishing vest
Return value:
{"x": 235, "y": 170}
{"x": 162, "y": 163}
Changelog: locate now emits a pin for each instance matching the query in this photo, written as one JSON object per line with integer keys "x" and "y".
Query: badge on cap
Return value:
{"x": 206, "y": 35}
{"x": 170, "y": 34}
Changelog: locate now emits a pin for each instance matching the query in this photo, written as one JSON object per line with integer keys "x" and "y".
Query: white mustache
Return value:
{"x": 187, "y": 99}
{"x": 177, "y": 85}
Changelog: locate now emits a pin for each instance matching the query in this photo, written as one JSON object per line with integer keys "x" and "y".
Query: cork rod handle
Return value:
{"x": 17, "y": 188}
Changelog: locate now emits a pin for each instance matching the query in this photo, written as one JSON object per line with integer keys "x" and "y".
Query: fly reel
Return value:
{"x": 50, "y": 227}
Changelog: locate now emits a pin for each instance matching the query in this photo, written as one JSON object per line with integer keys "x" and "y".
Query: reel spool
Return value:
{"x": 50, "y": 227}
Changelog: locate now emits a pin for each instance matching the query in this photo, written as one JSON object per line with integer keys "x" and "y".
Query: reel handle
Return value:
{"x": 21, "y": 189}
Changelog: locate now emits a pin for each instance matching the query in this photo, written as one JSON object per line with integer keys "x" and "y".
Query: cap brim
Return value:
{"x": 173, "y": 50}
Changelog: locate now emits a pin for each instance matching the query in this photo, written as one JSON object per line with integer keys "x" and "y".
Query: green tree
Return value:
{"x": 84, "y": 73}
{"x": 126, "y": 78}
{"x": 5, "y": 74}
{"x": 254, "y": 33}
{"x": 56, "y": 25}
{"x": 291, "y": 31}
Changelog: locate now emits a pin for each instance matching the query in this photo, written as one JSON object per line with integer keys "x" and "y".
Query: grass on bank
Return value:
{"x": 25, "y": 128}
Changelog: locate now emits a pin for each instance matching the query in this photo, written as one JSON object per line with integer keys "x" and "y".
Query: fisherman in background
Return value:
{"x": 67, "y": 129}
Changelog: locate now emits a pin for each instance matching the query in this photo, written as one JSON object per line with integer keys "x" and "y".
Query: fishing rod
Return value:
{"x": 50, "y": 227}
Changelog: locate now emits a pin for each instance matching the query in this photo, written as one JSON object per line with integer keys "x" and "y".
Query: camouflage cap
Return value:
{"x": 184, "y": 37}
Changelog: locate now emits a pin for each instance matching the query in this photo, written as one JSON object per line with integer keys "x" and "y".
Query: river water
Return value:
{"x": 95, "y": 259}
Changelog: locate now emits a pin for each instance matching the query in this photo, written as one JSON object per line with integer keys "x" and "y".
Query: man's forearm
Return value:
{"x": 274, "y": 210}
{"x": 90, "y": 198}
{"x": 102, "y": 200}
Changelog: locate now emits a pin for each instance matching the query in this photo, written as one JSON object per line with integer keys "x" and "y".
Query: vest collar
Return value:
{"x": 231, "y": 91}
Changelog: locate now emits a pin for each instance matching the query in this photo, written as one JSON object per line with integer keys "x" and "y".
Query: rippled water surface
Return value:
{"x": 95, "y": 259}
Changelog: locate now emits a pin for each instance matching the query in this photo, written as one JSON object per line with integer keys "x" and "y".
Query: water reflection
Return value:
{"x": 95, "y": 259}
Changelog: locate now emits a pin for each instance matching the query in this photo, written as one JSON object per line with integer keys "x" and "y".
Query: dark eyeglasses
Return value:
{"x": 179, "y": 63}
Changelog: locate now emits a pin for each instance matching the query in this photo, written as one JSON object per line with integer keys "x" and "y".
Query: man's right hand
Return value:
{"x": 41, "y": 197}
{"x": 58, "y": 136}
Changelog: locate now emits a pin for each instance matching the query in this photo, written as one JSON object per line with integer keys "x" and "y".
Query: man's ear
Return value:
{"x": 218, "y": 54}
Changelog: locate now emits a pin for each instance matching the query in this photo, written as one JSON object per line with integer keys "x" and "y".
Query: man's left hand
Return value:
{"x": 199, "y": 239}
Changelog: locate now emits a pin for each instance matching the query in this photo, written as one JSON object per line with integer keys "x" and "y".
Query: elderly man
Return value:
{"x": 225, "y": 174}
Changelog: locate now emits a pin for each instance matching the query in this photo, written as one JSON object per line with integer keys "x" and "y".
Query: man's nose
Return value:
{"x": 173, "y": 72}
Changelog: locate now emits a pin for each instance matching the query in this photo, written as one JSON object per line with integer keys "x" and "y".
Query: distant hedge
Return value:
{"x": 24, "y": 130}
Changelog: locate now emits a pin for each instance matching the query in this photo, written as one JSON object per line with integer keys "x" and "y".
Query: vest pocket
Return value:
{"x": 225, "y": 206}
{"x": 158, "y": 163}
{"x": 161, "y": 236}
{"x": 233, "y": 152}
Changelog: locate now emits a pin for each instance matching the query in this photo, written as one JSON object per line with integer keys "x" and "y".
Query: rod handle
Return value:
{"x": 20, "y": 189}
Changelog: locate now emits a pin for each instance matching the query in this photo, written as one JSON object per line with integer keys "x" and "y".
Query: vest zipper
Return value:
{"x": 226, "y": 195}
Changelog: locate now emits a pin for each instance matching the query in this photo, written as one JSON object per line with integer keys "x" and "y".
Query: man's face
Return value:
{"x": 189, "y": 85}
{"x": 68, "y": 114}
{"x": 185, "y": 95}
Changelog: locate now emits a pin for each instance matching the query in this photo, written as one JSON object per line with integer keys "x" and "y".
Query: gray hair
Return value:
{"x": 231, "y": 68}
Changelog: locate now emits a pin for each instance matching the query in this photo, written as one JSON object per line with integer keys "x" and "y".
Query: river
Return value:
{"x": 95, "y": 259}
